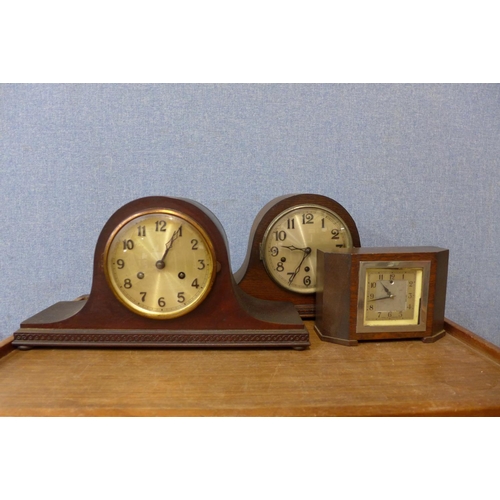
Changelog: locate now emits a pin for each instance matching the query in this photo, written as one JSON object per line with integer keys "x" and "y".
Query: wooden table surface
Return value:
{"x": 457, "y": 375}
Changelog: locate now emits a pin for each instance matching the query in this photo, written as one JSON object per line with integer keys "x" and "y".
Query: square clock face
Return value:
{"x": 392, "y": 296}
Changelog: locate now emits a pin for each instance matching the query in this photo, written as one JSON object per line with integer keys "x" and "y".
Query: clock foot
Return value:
{"x": 433, "y": 338}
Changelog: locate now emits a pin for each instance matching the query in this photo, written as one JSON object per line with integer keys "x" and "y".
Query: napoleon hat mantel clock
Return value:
{"x": 162, "y": 278}
{"x": 381, "y": 293}
{"x": 281, "y": 259}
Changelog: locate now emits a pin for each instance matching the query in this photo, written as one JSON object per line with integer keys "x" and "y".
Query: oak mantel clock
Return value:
{"x": 281, "y": 259}
{"x": 381, "y": 293}
{"x": 162, "y": 278}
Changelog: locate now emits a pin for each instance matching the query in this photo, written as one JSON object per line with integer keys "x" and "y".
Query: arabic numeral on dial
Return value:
{"x": 290, "y": 224}
{"x": 280, "y": 235}
{"x": 279, "y": 267}
{"x": 307, "y": 219}
{"x": 335, "y": 234}
{"x": 202, "y": 264}
{"x": 128, "y": 245}
{"x": 161, "y": 302}
{"x": 120, "y": 263}
{"x": 127, "y": 284}
{"x": 195, "y": 244}
{"x": 274, "y": 251}
{"x": 141, "y": 231}
{"x": 307, "y": 281}
{"x": 143, "y": 296}
{"x": 161, "y": 226}
{"x": 195, "y": 283}
{"x": 180, "y": 298}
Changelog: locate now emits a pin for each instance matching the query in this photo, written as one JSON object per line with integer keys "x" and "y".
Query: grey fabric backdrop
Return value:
{"x": 413, "y": 164}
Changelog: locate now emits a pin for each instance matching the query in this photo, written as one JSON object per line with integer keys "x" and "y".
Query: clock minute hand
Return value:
{"x": 382, "y": 298}
{"x": 307, "y": 251}
{"x": 161, "y": 263}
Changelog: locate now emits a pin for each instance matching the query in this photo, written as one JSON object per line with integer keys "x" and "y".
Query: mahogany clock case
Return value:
{"x": 252, "y": 276}
{"x": 338, "y": 298}
{"x": 227, "y": 317}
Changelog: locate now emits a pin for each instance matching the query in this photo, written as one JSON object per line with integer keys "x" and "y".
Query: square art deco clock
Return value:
{"x": 381, "y": 293}
{"x": 162, "y": 278}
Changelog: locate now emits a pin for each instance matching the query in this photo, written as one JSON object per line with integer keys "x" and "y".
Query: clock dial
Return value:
{"x": 290, "y": 243}
{"x": 392, "y": 296}
{"x": 160, "y": 264}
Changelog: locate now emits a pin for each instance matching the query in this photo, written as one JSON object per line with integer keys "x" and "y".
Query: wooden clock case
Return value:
{"x": 228, "y": 317}
{"x": 252, "y": 276}
{"x": 337, "y": 296}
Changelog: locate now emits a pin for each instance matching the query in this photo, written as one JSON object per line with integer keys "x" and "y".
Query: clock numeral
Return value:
{"x": 127, "y": 284}
{"x": 274, "y": 251}
{"x": 161, "y": 226}
{"x": 195, "y": 244}
{"x": 141, "y": 231}
{"x": 128, "y": 245}
{"x": 323, "y": 223}
{"x": 280, "y": 268}
{"x": 120, "y": 263}
{"x": 307, "y": 219}
{"x": 195, "y": 283}
{"x": 307, "y": 281}
{"x": 143, "y": 296}
{"x": 290, "y": 224}
{"x": 161, "y": 301}
{"x": 335, "y": 234}
{"x": 180, "y": 298}
{"x": 373, "y": 285}
{"x": 280, "y": 235}
{"x": 202, "y": 264}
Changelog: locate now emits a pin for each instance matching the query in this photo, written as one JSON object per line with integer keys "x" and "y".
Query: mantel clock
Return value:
{"x": 381, "y": 293}
{"x": 286, "y": 234}
{"x": 162, "y": 278}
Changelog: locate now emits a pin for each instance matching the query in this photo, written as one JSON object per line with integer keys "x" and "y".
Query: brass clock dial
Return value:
{"x": 290, "y": 243}
{"x": 160, "y": 264}
{"x": 393, "y": 296}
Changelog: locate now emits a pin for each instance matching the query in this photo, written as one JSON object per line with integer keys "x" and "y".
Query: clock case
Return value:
{"x": 252, "y": 276}
{"x": 227, "y": 317}
{"x": 338, "y": 287}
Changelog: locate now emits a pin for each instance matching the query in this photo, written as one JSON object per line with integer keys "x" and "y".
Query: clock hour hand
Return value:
{"x": 161, "y": 263}
{"x": 292, "y": 247}
{"x": 387, "y": 291}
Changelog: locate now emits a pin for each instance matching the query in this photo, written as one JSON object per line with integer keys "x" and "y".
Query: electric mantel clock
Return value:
{"x": 381, "y": 293}
{"x": 281, "y": 259}
{"x": 162, "y": 278}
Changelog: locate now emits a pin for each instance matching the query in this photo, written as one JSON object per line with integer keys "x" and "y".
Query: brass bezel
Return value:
{"x": 269, "y": 228}
{"x": 398, "y": 325}
{"x": 154, "y": 314}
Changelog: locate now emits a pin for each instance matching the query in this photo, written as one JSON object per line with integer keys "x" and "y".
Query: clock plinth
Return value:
{"x": 381, "y": 293}
{"x": 224, "y": 317}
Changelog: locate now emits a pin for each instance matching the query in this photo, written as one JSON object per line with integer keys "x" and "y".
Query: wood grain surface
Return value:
{"x": 453, "y": 376}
